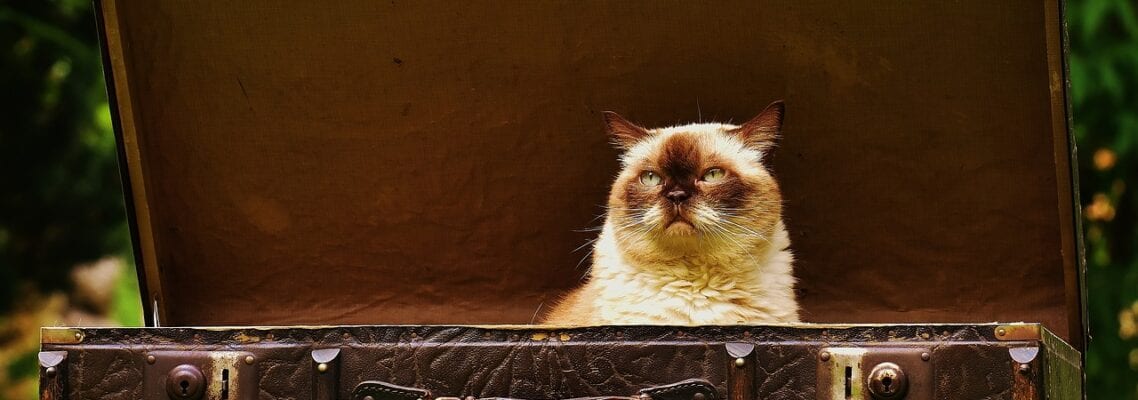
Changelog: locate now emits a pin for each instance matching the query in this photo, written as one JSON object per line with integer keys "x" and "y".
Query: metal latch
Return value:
{"x": 200, "y": 375}
{"x": 875, "y": 373}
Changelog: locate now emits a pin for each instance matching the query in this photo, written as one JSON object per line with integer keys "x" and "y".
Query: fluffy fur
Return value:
{"x": 682, "y": 244}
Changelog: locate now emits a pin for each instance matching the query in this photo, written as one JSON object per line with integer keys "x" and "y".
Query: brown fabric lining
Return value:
{"x": 389, "y": 162}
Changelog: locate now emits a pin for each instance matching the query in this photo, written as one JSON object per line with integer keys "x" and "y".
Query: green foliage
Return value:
{"x": 1104, "y": 76}
{"x": 60, "y": 202}
{"x": 126, "y": 307}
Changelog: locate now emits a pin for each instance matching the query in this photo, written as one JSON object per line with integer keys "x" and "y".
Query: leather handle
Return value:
{"x": 378, "y": 390}
{"x": 692, "y": 389}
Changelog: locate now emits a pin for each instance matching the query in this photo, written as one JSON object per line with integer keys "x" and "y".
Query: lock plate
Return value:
{"x": 846, "y": 373}
{"x": 223, "y": 375}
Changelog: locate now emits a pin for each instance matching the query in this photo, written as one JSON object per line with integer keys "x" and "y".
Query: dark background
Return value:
{"x": 64, "y": 248}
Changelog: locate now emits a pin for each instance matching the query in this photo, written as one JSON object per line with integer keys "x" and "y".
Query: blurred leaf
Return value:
{"x": 1093, "y": 12}
{"x": 1078, "y": 73}
{"x": 1125, "y": 13}
{"x": 1111, "y": 82}
{"x": 126, "y": 309}
{"x": 1127, "y": 130}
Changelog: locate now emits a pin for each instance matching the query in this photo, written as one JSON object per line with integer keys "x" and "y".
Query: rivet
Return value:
{"x": 469, "y": 398}
{"x": 700, "y": 396}
{"x": 645, "y": 396}
{"x": 322, "y": 367}
{"x": 739, "y": 362}
{"x": 1001, "y": 332}
{"x": 825, "y": 356}
{"x": 79, "y": 336}
{"x": 926, "y": 356}
{"x": 150, "y": 359}
{"x": 249, "y": 360}
{"x": 50, "y": 371}
{"x": 368, "y": 397}
{"x": 1023, "y": 368}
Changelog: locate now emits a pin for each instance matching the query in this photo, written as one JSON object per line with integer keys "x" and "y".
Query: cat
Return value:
{"x": 693, "y": 233}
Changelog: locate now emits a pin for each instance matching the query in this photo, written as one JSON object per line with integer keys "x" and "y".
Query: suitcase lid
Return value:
{"x": 390, "y": 162}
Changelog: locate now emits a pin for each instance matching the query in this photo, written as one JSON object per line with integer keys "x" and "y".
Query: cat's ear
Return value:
{"x": 624, "y": 134}
{"x": 762, "y": 132}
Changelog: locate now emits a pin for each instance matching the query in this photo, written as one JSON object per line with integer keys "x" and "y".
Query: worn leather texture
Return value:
{"x": 363, "y": 162}
{"x": 969, "y": 362}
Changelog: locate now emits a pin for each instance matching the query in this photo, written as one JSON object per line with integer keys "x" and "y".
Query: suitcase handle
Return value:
{"x": 691, "y": 389}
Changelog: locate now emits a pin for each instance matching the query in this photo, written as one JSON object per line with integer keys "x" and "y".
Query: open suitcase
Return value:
{"x": 371, "y": 200}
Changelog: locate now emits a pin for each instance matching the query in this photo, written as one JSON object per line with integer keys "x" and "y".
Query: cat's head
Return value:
{"x": 695, "y": 186}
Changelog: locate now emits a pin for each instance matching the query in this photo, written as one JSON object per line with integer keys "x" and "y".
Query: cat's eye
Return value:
{"x": 650, "y": 178}
{"x": 714, "y": 174}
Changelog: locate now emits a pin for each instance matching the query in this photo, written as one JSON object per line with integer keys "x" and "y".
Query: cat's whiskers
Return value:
{"x": 585, "y": 274}
{"x": 597, "y": 228}
{"x": 737, "y": 225}
{"x": 746, "y": 232}
{"x": 587, "y": 242}
{"x": 727, "y": 219}
{"x": 726, "y": 233}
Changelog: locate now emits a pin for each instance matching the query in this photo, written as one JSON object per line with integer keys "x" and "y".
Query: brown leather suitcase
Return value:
{"x": 1015, "y": 361}
{"x": 370, "y": 200}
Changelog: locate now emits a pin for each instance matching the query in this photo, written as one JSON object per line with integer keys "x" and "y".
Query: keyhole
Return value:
{"x": 887, "y": 381}
{"x": 849, "y": 379}
{"x": 185, "y": 382}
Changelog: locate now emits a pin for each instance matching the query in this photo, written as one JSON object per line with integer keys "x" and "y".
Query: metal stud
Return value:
{"x": 1001, "y": 332}
{"x": 50, "y": 371}
{"x": 79, "y": 336}
{"x": 150, "y": 359}
{"x": 700, "y": 396}
{"x": 249, "y": 360}
{"x": 1024, "y": 368}
{"x": 824, "y": 356}
{"x": 739, "y": 362}
{"x": 926, "y": 356}
{"x": 322, "y": 367}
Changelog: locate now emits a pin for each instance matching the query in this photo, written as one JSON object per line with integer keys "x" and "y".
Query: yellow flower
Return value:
{"x": 1100, "y": 208}
{"x": 1127, "y": 327}
{"x": 1104, "y": 159}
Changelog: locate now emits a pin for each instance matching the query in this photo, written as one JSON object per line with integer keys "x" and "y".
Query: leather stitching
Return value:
{"x": 702, "y": 387}
{"x": 365, "y": 389}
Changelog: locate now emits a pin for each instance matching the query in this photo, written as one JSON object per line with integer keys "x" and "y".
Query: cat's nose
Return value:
{"x": 677, "y": 195}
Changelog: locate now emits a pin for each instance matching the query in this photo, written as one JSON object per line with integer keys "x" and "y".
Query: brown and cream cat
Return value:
{"x": 693, "y": 233}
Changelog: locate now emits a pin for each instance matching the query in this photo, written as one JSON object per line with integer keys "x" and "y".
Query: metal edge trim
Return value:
{"x": 61, "y": 336}
{"x": 1018, "y": 332}
{"x": 131, "y": 173}
{"x": 1061, "y": 360}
